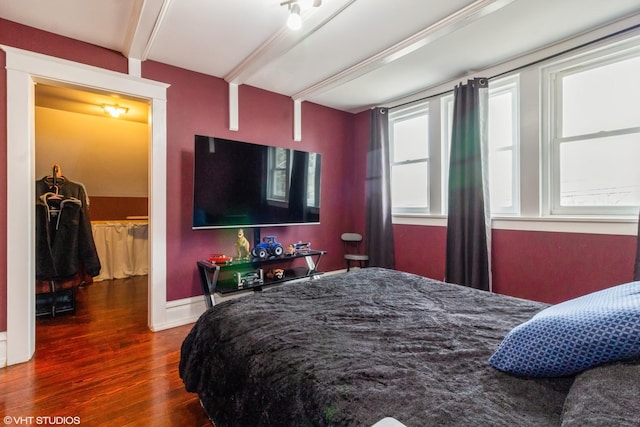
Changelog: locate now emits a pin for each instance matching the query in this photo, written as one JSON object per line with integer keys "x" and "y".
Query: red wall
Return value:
{"x": 358, "y": 166}
{"x": 554, "y": 267}
{"x": 27, "y": 38}
{"x": 542, "y": 266}
{"x": 198, "y": 104}
{"x": 420, "y": 249}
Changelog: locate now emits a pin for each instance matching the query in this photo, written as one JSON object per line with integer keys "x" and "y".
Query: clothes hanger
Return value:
{"x": 56, "y": 195}
{"x": 56, "y": 176}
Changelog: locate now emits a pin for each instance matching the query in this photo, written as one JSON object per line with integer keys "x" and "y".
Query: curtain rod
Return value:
{"x": 555, "y": 55}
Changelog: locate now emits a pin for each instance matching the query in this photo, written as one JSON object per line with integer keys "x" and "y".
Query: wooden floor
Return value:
{"x": 103, "y": 365}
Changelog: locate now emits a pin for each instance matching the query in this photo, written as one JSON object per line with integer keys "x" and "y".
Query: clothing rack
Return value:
{"x": 59, "y": 298}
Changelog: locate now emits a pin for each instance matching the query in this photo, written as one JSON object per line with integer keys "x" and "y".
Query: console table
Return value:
{"x": 226, "y": 277}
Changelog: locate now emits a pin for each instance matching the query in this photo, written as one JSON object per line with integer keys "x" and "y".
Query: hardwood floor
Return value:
{"x": 103, "y": 365}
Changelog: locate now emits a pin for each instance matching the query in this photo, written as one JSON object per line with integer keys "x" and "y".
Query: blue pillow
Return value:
{"x": 575, "y": 335}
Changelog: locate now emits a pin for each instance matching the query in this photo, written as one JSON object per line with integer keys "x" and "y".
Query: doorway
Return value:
{"x": 106, "y": 155}
{"x": 24, "y": 70}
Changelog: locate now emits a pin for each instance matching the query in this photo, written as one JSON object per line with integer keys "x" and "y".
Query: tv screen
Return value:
{"x": 239, "y": 184}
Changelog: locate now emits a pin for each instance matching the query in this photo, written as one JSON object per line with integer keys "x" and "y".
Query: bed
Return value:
{"x": 354, "y": 348}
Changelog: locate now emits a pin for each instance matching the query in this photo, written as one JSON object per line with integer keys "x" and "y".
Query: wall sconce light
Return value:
{"x": 114, "y": 110}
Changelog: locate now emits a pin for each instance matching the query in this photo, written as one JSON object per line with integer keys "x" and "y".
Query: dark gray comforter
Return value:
{"x": 607, "y": 395}
{"x": 353, "y": 348}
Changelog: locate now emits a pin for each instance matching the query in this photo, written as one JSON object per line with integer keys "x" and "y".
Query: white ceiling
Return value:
{"x": 349, "y": 55}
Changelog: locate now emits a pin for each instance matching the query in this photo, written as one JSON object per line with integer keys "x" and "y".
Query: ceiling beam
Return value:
{"x": 447, "y": 25}
{"x": 143, "y": 27}
{"x": 285, "y": 40}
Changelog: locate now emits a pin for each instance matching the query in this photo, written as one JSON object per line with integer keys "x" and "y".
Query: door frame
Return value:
{"x": 24, "y": 70}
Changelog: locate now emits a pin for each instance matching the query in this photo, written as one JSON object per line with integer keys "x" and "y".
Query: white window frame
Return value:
{"x": 510, "y": 84}
{"x": 446, "y": 119}
{"x": 273, "y": 168}
{"x": 401, "y": 114}
{"x": 312, "y": 181}
{"x": 552, "y": 127}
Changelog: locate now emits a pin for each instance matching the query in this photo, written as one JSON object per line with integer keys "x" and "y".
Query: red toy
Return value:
{"x": 220, "y": 259}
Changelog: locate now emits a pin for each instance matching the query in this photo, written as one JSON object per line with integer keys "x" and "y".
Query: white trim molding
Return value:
{"x": 24, "y": 70}
{"x": 568, "y": 225}
{"x": 183, "y": 311}
{"x": 3, "y": 349}
{"x": 459, "y": 19}
{"x": 135, "y": 67}
{"x": 285, "y": 40}
{"x": 234, "y": 119}
{"x": 620, "y": 227}
{"x": 297, "y": 120}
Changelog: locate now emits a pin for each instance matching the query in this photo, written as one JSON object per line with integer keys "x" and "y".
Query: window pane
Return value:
{"x": 281, "y": 158}
{"x": 278, "y": 174}
{"x": 500, "y": 130}
{"x": 408, "y": 185}
{"x": 503, "y": 144}
{"x": 602, "y": 172}
{"x": 312, "y": 181}
{"x": 501, "y": 180}
{"x": 601, "y": 99}
{"x": 410, "y": 139}
{"x": 279, "y": 184}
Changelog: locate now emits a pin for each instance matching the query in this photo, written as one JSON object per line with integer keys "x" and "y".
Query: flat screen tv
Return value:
{"x": 240, "y": 184}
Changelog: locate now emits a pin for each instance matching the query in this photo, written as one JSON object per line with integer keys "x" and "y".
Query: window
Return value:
{"x": 409, "y": 158}
{"x": 313, "y": 180}
{"x": 279, "y": 174}
{"x": 503, "y": 139}
{"x": 593, "y": 133}
{"x": 280, "y": 170}
{"x": 564, "y": 141}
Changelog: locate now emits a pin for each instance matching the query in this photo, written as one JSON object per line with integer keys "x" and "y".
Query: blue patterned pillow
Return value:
{"x": 575, "y": 335}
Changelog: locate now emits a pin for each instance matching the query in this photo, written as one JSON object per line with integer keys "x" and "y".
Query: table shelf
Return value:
{"x": 222, "y": 278}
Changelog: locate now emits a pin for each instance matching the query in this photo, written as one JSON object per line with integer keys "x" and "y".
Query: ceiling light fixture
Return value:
{"x": 295, "y": 20}
{"x": 114, "y": 110}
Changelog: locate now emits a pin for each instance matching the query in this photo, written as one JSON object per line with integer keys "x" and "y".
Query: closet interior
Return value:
{"x": 66, "y": 255}
{"x": 91, "y": 221}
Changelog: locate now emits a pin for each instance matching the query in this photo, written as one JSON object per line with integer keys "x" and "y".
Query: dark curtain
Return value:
{"x": 379, "y": 237}
{"x": 468, "y": 239}
{"x": 636, "y": 272}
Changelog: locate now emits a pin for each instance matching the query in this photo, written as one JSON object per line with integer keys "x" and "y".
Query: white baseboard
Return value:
{"x": 3, "y": 349}
{"x": 181, "y": 312}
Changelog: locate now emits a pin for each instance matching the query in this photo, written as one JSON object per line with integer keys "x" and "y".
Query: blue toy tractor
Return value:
{"x": 268, "y": 247}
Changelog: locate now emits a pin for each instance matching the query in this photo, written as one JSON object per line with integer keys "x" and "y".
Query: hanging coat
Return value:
{"x": 64, "y": 242}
